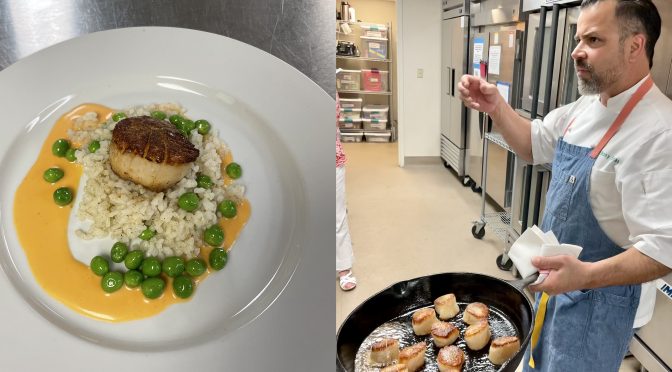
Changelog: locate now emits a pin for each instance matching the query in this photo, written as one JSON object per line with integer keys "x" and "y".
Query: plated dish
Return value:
{"x": 163, "y": 187}
{"x": 261, "y": 137}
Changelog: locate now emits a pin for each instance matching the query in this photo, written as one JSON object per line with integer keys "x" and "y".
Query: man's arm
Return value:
{"x": 480, "y": 95}
{"x": 569, "y": 274}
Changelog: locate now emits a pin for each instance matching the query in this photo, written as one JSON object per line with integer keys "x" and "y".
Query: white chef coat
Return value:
{"x": 631, "y": 180}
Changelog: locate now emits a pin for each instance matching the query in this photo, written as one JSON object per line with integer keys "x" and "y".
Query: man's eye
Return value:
{"x": 593, "y": 40}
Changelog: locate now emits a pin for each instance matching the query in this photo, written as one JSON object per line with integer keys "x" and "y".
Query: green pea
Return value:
{"x": 63, "y": 196}
{"x": 214, "y": 235}
{"x": 158, "y": 115}
{"x": 134, "y": 259}
{"x": 118, "y": 116}
{"x": 133, "y": 278}
{"x": 52, "y": 175}
{"x": 195, "y": 267}
{"x": 70, "y": 154}
{"x": 151, "y": 266}
{"x": 227, "y": 208}
{"x": 176, "y": 120}
{"x": 188, "y": 125}
{"x": 203, "y": 181}
{"x": 94, "y": 146}
{"x": 60, "y": 147}
{"x": 173, "y": 266}
{"x": 202, "y": 126}
{"x": 233, "y": 170}
{"x": 147, "y": 234}
{"x": 118, "y": 252}
{"x": 112, "y": 281}
{"x": 218, "y": 258}
{"x": 188, "y": 201}
{"x": 153, "y": 287}
{"x": 183, "y": 286}
{"x": 99, "y": 265}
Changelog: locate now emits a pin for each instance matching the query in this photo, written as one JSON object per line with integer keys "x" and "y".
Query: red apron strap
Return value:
{"x": 620, "y": 119}
{"x": 568, "y": 126}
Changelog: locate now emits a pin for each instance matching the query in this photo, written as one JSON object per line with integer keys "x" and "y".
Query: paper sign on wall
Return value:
{"x": 479, "y": 44}
{"x": 494, "y": 56}
{"x": 504, "y": 89}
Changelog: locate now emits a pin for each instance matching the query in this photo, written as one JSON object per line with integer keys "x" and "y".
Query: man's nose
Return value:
{"x": 578, "y": 52}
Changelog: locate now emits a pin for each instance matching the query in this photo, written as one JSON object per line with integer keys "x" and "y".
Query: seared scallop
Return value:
{"x": 395, "y": 368}
{"x": 413, "y": 356}
{"x": 385, "y": 351}
{"x": 450, "y": 359}
{"x": 150, "y": 152}
{"x": 475, "y": 312}
{"x": 446, "y": 306}
{"x": 444, "y": 333}
{"x": 477, "y": 335}
{"x": 422, "y": 321}
{"x": 503, "y": 348}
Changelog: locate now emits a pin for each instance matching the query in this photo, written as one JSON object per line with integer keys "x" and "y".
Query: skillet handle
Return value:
{"x": 520, "y": 284}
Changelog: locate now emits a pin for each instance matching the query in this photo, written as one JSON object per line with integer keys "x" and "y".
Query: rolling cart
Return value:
{"x": 498, "y": 222}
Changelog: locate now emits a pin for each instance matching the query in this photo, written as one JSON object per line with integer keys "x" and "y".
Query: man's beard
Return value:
{"x": 597, "y": 82}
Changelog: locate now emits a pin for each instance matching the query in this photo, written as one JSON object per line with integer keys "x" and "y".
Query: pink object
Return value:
{"x": 372, "y": 80}
{"x": 340, "y": 154}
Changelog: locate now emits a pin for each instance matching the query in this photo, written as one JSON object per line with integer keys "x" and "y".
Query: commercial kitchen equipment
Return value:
{"x": 500, "y": 46}
{"x": 399, "y": 300}
{"x": 454, "y": 63}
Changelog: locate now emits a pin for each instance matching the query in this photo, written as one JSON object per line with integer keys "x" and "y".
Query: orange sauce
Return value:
{"x": 42, "y": 229}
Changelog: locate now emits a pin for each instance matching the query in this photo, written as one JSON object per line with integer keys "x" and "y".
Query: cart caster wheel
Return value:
{"x": 467, "y": 181}
{"x": 507, "y": 266}
{"x": 445, "y": 164}
{"x": 478, "y": 233}
{"x": 475, "y": 188}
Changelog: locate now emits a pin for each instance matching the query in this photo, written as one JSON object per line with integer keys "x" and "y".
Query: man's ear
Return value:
{"x": 637, "y": 46}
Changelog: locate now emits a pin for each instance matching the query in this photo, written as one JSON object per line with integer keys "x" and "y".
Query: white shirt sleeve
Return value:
{"x": 645, "y": 183}
{"x": 545, "y": 133}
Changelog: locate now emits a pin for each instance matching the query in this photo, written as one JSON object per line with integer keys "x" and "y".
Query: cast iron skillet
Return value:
{"x": 413, "y": 294}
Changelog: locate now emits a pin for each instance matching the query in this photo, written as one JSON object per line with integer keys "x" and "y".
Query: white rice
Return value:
{"x": 122, "y": 209}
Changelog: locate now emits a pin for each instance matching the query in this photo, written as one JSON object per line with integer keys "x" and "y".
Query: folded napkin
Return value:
{"x": 534, "y": 242}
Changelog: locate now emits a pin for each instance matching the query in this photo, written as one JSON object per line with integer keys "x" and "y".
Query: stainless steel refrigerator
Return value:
{"x": 454, "y": 61}
{"x": 500, "y": 47}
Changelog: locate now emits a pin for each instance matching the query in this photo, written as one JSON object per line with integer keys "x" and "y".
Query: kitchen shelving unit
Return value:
{"x": 362, "y": 62}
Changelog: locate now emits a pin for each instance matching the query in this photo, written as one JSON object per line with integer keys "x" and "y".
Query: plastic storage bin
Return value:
{"x": 374, "y": 47}
{"x": 348, "y": 80}
{"x": 374, "y": 80}
{"x": 350, "y": 103}
{"x": 353, "y": 136}
{"x": 379, "y": 112}
{"x": 350, "y": 123}
{"x": 374, "y": 30}
{"x": 350, "y": 113}
{"x": 377, "y": 136}
{"x": 374, "y": 124}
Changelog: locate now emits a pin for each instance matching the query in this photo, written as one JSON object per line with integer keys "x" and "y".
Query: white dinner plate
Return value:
{"x": 268, "y": 113}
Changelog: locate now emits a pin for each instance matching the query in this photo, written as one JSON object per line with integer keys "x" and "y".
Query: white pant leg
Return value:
{"x": 344, "y": 256}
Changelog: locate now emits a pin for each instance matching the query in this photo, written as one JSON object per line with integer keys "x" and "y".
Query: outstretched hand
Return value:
{"x": 566, "y": 274}
{"x": 478, "y": 94}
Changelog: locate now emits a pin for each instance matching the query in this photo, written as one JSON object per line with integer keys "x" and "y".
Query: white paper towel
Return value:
{"x": 534, "y": 242}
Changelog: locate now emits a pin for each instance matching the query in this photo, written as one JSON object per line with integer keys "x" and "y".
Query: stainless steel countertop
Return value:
{"x": 300, "y": 32}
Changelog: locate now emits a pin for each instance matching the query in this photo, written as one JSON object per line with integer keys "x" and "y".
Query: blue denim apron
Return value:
{"x": 585, "y": 330}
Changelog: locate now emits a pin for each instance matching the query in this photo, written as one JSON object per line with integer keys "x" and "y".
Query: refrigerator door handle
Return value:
{"x": 452, "y": 84}
{"x": 448, "y": 91}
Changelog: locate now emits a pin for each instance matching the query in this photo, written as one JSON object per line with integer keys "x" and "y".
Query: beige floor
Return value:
{"x": 409, "y": 222}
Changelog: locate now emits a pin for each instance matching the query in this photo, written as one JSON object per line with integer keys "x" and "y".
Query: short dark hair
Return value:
{"x": 636, "y": 16}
